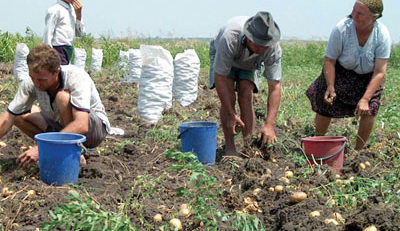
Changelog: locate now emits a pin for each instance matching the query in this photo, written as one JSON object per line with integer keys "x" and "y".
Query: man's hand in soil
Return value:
{"x": 29, "y": 156}
{"x": 267, "y": 135}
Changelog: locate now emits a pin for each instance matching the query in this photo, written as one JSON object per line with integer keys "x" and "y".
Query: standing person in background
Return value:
{"x": 63, "y": 23}
{"x": 242, "y": 48}
{"x": 352, "y": 79}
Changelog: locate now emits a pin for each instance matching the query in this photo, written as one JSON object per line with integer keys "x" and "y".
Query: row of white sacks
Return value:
{"x": 21, "y": 67}
{"x": 160, "y": 77}
{"x": 158, "y": 74}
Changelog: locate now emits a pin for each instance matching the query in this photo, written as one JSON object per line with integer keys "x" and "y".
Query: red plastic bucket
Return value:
{"x": 325, "y": 150}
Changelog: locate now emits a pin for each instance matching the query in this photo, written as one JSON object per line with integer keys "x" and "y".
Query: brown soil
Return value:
{"x": 111, "y": 171}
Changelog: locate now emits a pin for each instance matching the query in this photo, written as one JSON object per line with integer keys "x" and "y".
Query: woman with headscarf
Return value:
{"x": 352, "y": 79}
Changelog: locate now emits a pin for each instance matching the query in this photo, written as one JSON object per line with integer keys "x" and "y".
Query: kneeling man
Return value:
{"x": 68, "y": 102}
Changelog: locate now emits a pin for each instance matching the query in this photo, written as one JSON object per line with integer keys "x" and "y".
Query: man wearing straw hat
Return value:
{"x": 68, "y": 100}
{"x": 241, "y": 50}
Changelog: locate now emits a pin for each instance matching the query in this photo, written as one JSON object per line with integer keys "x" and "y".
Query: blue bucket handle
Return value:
{"x": 82, "y": 146}
{"x": 182, "y": 132}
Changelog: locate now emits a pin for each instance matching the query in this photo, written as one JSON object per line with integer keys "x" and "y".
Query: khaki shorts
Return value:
{"x": 97, "y": 130}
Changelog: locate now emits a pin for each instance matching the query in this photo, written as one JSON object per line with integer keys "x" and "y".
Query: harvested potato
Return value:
{"x": 289, "y": 174}
{"x": 371, "y": 228}
{"x": 338, "y": 217}
{"x": 362, "y": 166}
{"x": 185, "y": 212}
{"x": 31, "y": 193}
{"x": 2, "y": 144}
{"x": 271, "y": 189}
{"x": 298, "y": 197}
{"x": 6, "y": 192}
{"x": 330, "y": 221}
{"x": 183, "y": 206}
{"x": 278, "y": 189}
{"x": 331, "y": 98}
{"x": 285, "y": 180}
{"x": 331, "y": 202}
{"x": 314, "y": 214}
{"x": 367, "y": 164}
{"x": 157, "y": 218}
{"x": 256, "y": 191}
{"x": 176, "y": 223}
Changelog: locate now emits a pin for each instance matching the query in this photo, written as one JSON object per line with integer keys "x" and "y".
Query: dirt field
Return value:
{"x": 111, "y": 170}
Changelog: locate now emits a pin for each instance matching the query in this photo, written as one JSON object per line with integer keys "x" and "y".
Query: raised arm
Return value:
{"x": 79, "y": 27}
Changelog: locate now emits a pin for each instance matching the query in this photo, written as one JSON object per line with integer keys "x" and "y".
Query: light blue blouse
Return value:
{"x": 343, "y": 46}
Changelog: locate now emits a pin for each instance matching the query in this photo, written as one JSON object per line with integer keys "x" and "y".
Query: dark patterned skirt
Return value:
{"x": 349, "y": 87}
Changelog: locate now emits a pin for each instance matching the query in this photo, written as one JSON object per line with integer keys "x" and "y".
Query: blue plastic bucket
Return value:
{"x": 201, "y": 139}
{"x": 59, "y": 157}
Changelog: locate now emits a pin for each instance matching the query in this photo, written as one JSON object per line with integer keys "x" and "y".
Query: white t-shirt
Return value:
{"x": 343, "y": 46}
{"x": 62, "y": 25}
{"x": 84, "y": 96}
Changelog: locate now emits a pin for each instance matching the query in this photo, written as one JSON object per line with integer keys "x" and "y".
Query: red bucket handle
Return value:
{"x": 311, "y": 157}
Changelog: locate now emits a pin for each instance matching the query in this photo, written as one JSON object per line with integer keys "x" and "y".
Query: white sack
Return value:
{"x": 80, "y": 57}
{"x": 135, "y": 66}
{"x": 155, "y": 84}
{"x": 123, "y": 62}
{"x": 97, "y": 59}
{"x": 186, "y": 74}
{"x": 21, "y": 70}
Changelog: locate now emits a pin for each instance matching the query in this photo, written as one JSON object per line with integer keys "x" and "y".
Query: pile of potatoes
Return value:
{"x": 184, "y": 211}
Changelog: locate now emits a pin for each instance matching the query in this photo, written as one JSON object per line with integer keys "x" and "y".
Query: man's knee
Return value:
{"x": 19, "y": 121}
{"x": 63, "y": 98}
{"x": 246, "y": 89}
